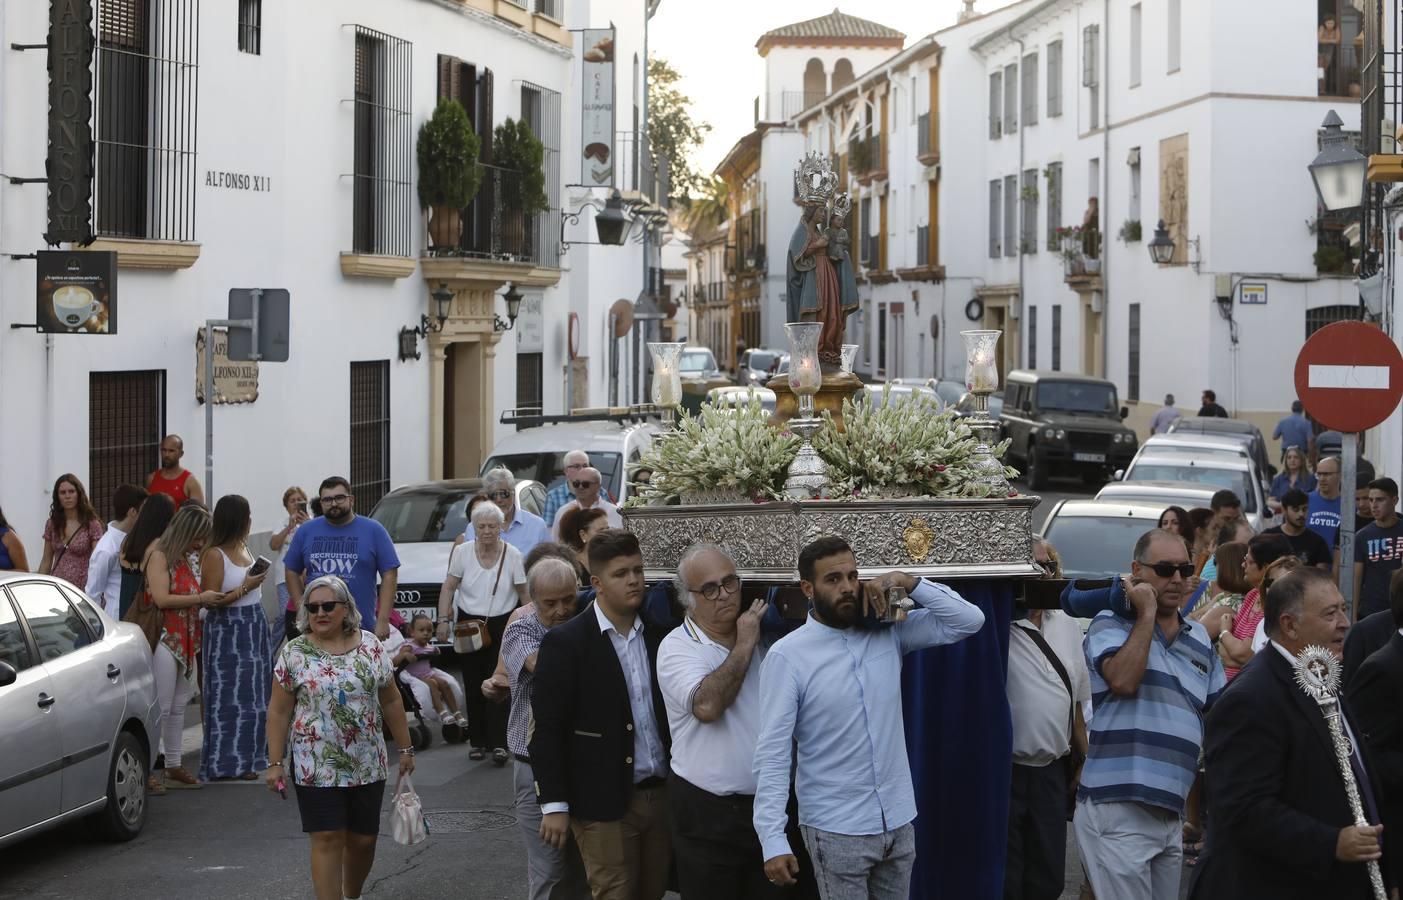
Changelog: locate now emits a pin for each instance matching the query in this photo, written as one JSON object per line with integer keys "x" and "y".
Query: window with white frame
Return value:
{"x": 1090, "y": 71}
{"x": 1133, "y": 213}
{"x": 1010, "y": 215}
{"x": 996, "y": 101}
{"x": 1054, "y": 204}
{"x": 1010, "y": 98}
{"x": 1030, "y": 89}
{"x": 1028, "y": 197}
{"x": 996, "y": 205}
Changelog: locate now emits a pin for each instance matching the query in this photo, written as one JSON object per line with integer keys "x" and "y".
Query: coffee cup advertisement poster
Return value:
{"x": 77, "y": 292}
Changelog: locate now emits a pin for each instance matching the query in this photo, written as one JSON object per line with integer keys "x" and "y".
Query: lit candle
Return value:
{"x": 667, "y": 387}
{"x": 983, "y": 375}
{"x": 805, "y": 378}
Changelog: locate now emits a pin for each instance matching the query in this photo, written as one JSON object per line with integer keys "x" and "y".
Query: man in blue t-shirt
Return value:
{"x": 1323, "y": 508}
{"x": 1378, "y": 550}
{"x": 1295, "y": 431}
{"x": 354, "y": 548}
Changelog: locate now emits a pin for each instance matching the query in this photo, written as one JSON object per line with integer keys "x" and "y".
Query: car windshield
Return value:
{"x": 761, "y": 360}
{"x": 419, "y": 517}
{"x": 1095, "y": 546}
{"x": 697, "y": 362}
{"x": 1238, "y": 482}
{"x": 549, "y": 468}
{"x": 1076, "y": 396}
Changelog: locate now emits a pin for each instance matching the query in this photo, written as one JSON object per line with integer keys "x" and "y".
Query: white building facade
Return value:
{"x": 272, "y": 145}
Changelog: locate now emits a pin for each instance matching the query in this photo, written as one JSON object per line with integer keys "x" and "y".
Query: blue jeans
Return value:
{"x": 862, "y": 867}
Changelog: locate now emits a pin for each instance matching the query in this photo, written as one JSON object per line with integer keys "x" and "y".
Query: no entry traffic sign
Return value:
{"x": 1349, "y": 375}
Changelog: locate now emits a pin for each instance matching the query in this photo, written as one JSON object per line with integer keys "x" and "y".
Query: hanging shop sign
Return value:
{"x": 76, "y": 292}
{"x": 69, "y": 164}
{"x": 597, "y": 121}
{"x": 234, "y": 382}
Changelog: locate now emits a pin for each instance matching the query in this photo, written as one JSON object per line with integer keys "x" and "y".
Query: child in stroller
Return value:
{"x": 441, "y": 685}
{"x": 416, "y": 694}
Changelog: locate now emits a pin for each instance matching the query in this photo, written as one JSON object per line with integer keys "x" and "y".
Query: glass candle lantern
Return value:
{"x": 981, "y": 364}
{"x": 849, "y": 357}
{"x": 805, "y": 377}
{"x": 667, "y": 373}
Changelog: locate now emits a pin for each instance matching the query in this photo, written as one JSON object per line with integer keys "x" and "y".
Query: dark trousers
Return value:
{"x": 713, "y": 839}
{"x": 1035, "y": 866}
{"x": 487, "y": 721}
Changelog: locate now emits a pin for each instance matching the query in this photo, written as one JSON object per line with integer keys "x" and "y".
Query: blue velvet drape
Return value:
{"x": 959, "y": 738}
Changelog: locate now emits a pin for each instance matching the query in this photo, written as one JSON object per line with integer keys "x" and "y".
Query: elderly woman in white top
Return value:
{"x": 486, "y": 581}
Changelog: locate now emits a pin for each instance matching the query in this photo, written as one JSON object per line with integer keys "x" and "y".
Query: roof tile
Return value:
{"x": 836, "y": 24}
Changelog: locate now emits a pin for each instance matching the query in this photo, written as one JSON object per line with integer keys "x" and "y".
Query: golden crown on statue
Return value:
{"x": 814, "y": 180}
{"x": 842, "y": 205}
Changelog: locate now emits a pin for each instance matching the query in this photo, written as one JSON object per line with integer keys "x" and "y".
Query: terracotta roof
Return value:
{"x": 835, "y": 28}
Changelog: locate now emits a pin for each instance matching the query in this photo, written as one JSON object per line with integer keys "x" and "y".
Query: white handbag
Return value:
{"x": 407, "y": 823}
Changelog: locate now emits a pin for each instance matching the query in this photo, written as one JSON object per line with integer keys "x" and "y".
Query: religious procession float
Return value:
{"x": 911, "y": 487}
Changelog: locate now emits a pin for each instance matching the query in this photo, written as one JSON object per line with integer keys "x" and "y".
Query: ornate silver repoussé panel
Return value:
{"x": 922, "y": 536}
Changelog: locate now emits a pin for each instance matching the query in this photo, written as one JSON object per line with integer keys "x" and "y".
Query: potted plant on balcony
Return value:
{"x": 858, "y": 156}
{"x": 521, "y": 156}
{"x": 1130, "y": 231}
{"x": 1069, "y": 240}
{"x": 449, "y": 174}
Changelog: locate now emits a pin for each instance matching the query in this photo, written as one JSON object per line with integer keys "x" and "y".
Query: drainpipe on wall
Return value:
{"x": 1105, "y": 195}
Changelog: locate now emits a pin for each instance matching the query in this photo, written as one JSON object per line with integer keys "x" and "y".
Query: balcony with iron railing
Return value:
{"x": 639, "y": 174}
{"x": 496, "y": 226}
{"x": 927, "y": 148}
{"x": 867, "y": 159}
{"x": 792, "y": 103}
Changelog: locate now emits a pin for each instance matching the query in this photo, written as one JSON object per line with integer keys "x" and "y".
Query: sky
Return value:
{"x": 712, "y": 44}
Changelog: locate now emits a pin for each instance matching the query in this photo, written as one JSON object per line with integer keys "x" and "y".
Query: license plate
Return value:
{"x": 1089, "y": 457}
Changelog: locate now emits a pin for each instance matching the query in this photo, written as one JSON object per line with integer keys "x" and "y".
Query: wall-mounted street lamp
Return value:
{"x": 1162, "y": 248}
{"x": 409, "y": 337}
{"x": 610, "y": 222}
{"x": 513, "y": 298}
{"x": 1338, "y": 170}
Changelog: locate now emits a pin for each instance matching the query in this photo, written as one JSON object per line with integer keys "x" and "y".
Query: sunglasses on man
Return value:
{"x": 581, "y": 485}
{"x": 1167, "y": 569}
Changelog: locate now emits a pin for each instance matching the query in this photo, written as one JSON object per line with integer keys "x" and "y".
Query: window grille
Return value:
{"x": 1010, "y": 215}
{"x": 1054, "y": 79}
{"x": 1010, "y": 98}
{"x": 996, "y": 205}
{"x": 1054, "y": 204}
{"x": 550, "y": 8}
{"x": 540, "y": 107}
{"x": 370, "y": 432}
{"x": 1132, "y": 386}
{"x": 1032, "y": 337}
{"x": 1056, "y": 337}
{"x": 922, "y": 245}
{"x": 126, "y": 421}
{"x": 1028, "y": 238}
{"x": 530, "y": 380}
{"x": 251, "y": 26}
{"x": 383, "y": 214}
{"x": 1321, "y": 316}
{"x": 1030, "y": 89}
{"x": 147, "y": 86}
{"x": 996, "y": 99}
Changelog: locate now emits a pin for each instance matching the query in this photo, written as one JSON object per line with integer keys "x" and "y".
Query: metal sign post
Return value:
{"x": 1349, "y": 467}
{"x": 260, "y": 332}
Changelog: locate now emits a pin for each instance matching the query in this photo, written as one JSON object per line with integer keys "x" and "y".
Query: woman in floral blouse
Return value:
{"x": 336, "y": 684}
{"x": 71, "y": 532}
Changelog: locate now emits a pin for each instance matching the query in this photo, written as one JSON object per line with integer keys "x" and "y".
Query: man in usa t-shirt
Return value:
{"x": 356, "y": 549}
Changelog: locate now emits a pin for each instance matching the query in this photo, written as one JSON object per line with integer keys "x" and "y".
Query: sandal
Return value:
{"x": 180, "y": 778}
{"x": 477, "y": 754}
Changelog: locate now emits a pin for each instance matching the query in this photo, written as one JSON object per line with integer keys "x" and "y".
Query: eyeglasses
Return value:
{"x": 712, "y": 589}
{"x": 335, "y": 498}
{"x": 500, "y": 495}
{"x": 1167, "y": 569}
{"x": 327, "y": 607}
{"x": 581, "y": 485}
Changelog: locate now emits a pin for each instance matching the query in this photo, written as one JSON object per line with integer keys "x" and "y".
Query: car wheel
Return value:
{"x": 125, "y": 813}
{"x": 1037, "y": 470}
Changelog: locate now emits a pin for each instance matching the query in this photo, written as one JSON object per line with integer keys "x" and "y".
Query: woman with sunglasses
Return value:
{"x": 485, "y": 582}
{"x": 336, "y": 685}
{"x": 1235, "y": 641}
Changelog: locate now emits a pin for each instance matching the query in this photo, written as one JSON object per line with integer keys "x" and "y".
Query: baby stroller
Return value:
{"x": 419, "y": 731}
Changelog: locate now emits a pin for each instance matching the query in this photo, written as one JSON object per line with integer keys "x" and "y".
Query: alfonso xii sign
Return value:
{"x": 70, "y": 156}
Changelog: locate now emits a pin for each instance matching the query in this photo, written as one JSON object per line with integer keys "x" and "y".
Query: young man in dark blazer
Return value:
{"x": 1282, "y": 825}
{"x": 1376, "y": 699}
{"x": 601, "y": 744}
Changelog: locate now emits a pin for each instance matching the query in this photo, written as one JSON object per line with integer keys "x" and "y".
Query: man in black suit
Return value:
{"x": 1282, "y": 825}
{"x": 1376, "y": 698}
{"x": 600, "y": 748}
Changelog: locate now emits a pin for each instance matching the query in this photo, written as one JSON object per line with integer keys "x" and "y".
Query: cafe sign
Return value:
{"x": 234, "y": 382}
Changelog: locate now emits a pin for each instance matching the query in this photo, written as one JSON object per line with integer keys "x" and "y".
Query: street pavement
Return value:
{"x": 235, "y": 839}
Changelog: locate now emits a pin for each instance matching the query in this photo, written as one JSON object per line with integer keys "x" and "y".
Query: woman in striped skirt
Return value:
{"x": 236, "y": 655}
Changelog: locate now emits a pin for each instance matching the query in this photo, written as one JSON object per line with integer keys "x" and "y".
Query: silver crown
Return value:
{"x": 814, "y": 181}
{"x": 842, "y": 205}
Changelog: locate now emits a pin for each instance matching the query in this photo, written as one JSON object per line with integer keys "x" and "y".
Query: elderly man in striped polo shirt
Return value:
{"x": 1153, "y": 674}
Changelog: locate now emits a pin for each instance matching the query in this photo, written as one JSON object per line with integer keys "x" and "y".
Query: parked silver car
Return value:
{"x": 78, "y": 712}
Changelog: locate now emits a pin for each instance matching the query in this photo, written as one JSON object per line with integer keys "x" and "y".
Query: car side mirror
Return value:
{"x": 1124, "y": 413}
{"x": 8, "y": 674}
{"x": 1119, "y": 475}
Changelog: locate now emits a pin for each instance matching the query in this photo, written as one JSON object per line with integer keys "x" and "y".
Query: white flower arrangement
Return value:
{"x": 726, "y": 448}
{"x": 906, "y": 444}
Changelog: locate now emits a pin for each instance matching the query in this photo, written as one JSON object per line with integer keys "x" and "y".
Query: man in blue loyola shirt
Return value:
{"x": 834, "y": 687}
{"x": 1323, "y": 504}
{"x": 354, "y": 548}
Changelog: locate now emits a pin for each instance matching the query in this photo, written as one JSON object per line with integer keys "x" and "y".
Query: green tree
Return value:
{"x": 711, "y": 208}
{"x": 516, "y": 148}
{"x": 447, "y": 150}
{"x": 674, "y": 134}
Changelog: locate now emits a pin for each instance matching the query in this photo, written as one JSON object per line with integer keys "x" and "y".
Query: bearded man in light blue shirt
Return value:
{"x": 833, "y": 689}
